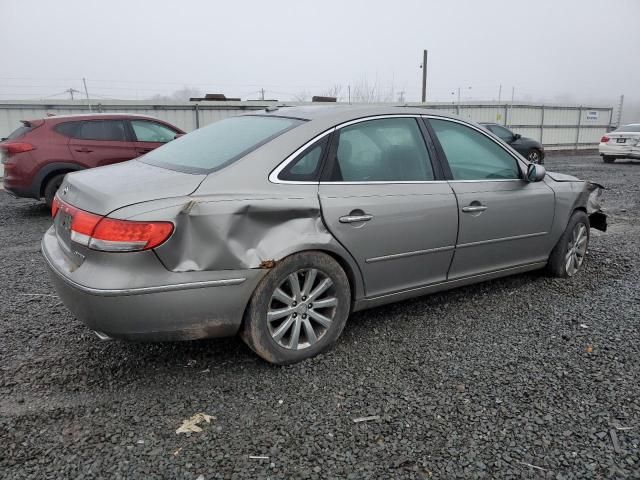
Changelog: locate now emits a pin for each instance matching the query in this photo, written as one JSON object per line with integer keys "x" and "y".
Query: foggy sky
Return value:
{"x": 579, "y": 51}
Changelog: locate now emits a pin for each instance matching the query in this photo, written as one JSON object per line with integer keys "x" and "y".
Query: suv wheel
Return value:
{"x": 52, "y": 186}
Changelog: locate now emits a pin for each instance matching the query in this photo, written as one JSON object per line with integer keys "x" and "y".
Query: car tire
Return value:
{"x": 534, "y": 156}
{"x": 569, "y": 254}
{"x": 608, "y": 159}
{"x": 51, "y": 188}
{"x": 280, "y": 326}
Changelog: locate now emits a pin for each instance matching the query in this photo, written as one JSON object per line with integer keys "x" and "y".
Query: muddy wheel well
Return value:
{"x": 49, "y": 176}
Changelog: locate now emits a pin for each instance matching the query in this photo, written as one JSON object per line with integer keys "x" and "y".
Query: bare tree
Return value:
{"x": 363, "y": 92}
{"x": 302, "y": 96}
{"x": 333, "y": 91}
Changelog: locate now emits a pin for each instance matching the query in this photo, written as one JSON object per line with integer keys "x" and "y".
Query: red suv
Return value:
{"x": 37, "y": 155}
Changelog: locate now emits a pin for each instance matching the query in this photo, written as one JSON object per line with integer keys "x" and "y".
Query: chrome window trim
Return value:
{"x": 273, "y": 176}
{"x": 382, "y": 182}
{"x": 488, "y": 135}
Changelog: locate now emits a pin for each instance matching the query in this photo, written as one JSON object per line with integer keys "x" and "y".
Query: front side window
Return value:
{"x": 472, "y": 155}
{"x": 503, "y": 133}
{"x": 219, "y": 144}
{"x": 105, "y": 130}
{"x": 146, "y": 131}
{"x": 384, "y": 150}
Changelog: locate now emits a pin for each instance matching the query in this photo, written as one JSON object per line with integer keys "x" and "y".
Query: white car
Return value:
{"x": 623, "y": 142}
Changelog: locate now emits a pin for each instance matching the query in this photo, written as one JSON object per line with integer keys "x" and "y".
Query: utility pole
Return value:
{"x": 262, "y": 94}
{"x": 401, "y": 97}
{"x": 619, "y": 116}
{"x": 425, "y": 54}
{"x": 513, "y": 93}
{"x": 500, "y": 93}
{"x": 72, "y": 91}
{"x": 349, "y": 90}
{"x": 84, "y": 81}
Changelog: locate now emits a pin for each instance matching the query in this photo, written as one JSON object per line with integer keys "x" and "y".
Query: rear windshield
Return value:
{"x": 217, "y": 145}
{"x": 629, "y": 128}
{"x": 18, "y": 132}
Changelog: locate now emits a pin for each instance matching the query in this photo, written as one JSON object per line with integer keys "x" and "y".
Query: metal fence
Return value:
{"x": 556, "y": 126}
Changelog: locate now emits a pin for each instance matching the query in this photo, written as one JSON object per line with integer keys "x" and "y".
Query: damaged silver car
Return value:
{"x": 278, "y": 224}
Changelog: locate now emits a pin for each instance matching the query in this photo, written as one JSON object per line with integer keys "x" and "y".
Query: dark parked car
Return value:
{"x": 529, "y": 148}
{"x": 278, "y": 224}
{"x": 38, "y": 155}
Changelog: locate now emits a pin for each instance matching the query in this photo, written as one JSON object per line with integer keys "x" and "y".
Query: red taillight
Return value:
{"x": 17, "y": 147}
{"x": 111, "y": 234}
{"x": 124, "y": 235}
{"x": 55, "y": 206}
{"x": 604, "y": 139}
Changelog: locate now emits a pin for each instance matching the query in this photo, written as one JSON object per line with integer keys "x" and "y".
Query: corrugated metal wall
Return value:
{"x": 557, "y": 127}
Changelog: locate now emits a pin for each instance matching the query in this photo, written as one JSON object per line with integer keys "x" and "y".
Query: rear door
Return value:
{"x": 101, "y": 142}
{"x": 382, "y": 199}
{"x": 148, "y": 135}
{"x": 504, "y": 221}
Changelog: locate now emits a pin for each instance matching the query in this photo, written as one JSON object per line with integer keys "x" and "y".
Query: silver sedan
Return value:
{"x": 278, "y": 224}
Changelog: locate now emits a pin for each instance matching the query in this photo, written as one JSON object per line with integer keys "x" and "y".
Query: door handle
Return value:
{"x": 355, "y": 218}
{"x": 144, "y": 150}
{"x": 84, "y": 150}
{"x": 474, "y": 208}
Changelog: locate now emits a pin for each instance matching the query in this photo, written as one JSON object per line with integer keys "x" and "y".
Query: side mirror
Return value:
{"x": 178, "y": 135}
{"x": 516, "y": 136}
{"x": 535, "y": 172}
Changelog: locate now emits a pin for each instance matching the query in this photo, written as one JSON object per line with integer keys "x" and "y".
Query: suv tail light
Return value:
{"x": 604, "y": 139}
{"x": 110, "y": 234}
{"x": 17, "y": 147}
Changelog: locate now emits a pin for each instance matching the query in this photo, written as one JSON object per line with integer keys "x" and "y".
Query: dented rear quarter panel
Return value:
{"x": 237, "y": 219}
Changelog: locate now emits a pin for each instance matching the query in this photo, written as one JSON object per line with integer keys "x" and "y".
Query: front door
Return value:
{"x": 504, "y": 221}
{"x": 381, "y": 200}
{"x": 150, "y": 135}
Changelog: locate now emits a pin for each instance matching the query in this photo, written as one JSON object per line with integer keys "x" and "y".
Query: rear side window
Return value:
{"x": 105, "y": 130}
{"x": 385, "y": 150}
{"x": 146, "y": 131}
{"x": 472, "y": 155}
{"x": 217, "y": 145}
{"x": 308, "y": 164}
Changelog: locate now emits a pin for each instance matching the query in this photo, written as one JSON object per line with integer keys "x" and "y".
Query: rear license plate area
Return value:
{"x": 621, "y": 140}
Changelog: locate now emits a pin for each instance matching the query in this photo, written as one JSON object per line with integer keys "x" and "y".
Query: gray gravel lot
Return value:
{"x": 524, "y": 377}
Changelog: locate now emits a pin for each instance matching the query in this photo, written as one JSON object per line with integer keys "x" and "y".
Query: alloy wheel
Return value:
{"x": 576, "y": 249}
{"x": 302, "y": 309}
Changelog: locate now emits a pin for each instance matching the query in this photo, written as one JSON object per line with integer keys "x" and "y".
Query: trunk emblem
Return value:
{"x": 65, "y": 190}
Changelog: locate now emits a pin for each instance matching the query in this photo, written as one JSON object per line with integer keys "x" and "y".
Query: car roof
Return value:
{"x": 341, "y": 113}
{"x": 102, "y": 116}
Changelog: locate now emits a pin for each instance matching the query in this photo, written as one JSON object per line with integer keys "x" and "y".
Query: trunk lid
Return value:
{"x": 105, "y": 189}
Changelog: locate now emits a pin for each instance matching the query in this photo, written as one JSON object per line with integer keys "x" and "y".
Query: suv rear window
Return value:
{"x": 21, "y": 130}
{"x": 217, "y": 145}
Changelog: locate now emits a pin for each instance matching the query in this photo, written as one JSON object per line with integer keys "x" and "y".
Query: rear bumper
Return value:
{"x": 619, "y": 151}
{"x": 184, "y": 306}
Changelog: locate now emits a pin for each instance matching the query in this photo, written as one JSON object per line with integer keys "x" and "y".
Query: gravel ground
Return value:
{"x": 523, "y": 377}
